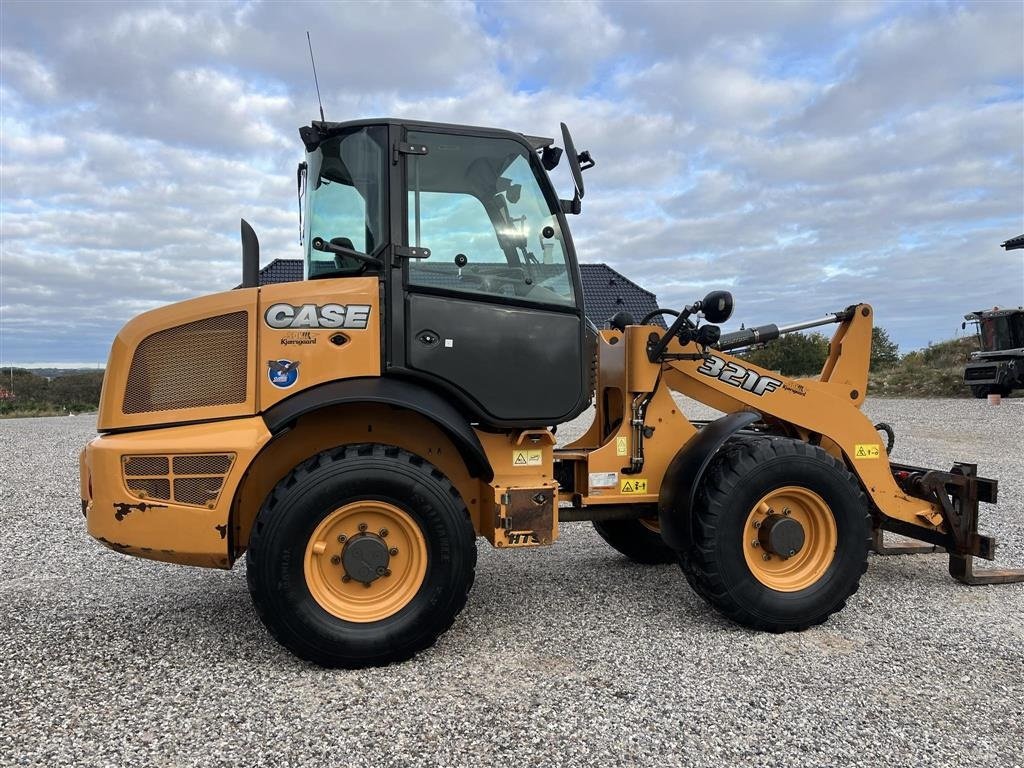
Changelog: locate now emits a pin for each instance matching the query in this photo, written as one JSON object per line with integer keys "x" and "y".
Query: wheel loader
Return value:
{"x": 354, "y": 433}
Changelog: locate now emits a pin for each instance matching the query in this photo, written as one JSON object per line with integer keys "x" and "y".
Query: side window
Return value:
{"x": 344, "y": 200}
{"x": 480, "y": 198}
{"x": 449, "y": 224}
{"x": 340, "y": 211}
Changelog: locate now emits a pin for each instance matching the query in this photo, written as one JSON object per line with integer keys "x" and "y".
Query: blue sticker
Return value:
{"x": 283, "y": 373}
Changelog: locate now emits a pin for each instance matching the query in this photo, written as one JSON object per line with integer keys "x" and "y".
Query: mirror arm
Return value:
{"x": 574, "y": 206}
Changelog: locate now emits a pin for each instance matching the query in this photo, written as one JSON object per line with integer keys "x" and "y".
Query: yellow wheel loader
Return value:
{"x": 355, "y": 432}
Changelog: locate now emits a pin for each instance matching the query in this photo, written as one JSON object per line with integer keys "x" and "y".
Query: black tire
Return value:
{"x": 981, "y": 391}
{"x": 636, "y": 541}
{"x": 303, "y": 499}
{"x": 744, "y": 472}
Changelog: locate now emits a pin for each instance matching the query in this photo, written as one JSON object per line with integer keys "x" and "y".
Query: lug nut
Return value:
{"x": 387, "y": 571}
{"x": 757, "y": 523}
{"x": 363, "y": 527}
{"x": 383, "y": 533}
{"x": 766, "y": 556}
{"x": 367, "y": 584}
{"x": 755, "y": 543}
{"x": 341, "y": 538}
{"x": 336, "y": 560}
{"x": 380, "y": 570}
{"x": 393, "y": 551}
{"x": 346, "y": 578}
{"x": 785, "y": 511}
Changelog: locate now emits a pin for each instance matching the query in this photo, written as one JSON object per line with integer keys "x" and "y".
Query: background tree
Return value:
{"x": 885, "y": 353}
{"x": 795, "y": 354}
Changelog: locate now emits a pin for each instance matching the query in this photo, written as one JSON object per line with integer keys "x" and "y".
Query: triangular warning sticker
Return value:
{"x": 519, "y": 459}
{"x": 627, "y": 488}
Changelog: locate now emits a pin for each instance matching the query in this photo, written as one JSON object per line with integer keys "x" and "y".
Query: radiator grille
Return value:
{"x": 194, "y": 365}
{"x": 150, "y": 488}
{"x": 202, "y": 464}
{"x": 980, "y": 372}
{"x": 146, "y": 465}
{"x": 196, "y": 479}
{"x": 197, "y": 491}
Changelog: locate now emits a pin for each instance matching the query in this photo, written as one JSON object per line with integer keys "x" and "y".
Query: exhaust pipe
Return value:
{"x": 250, "y": 257}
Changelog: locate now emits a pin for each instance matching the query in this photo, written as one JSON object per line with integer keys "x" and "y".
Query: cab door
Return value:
{"x": 494, "y": 315}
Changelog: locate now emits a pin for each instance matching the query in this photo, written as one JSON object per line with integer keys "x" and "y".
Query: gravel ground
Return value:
{"x": 566, "y": 655}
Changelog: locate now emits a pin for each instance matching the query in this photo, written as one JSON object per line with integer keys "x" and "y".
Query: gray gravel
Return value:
{"x": 567, "y": 655}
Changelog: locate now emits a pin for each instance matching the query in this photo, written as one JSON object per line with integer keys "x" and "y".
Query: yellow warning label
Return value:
{"x": 633, "y": 485}
{"x": 867, "y": 451}
{"x": 532, "y": 457}
{"x": 621, "y": 446}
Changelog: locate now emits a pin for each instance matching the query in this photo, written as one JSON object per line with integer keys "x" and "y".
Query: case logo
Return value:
{"x": 284, "y": 316}
{"x": 283, "y": 373}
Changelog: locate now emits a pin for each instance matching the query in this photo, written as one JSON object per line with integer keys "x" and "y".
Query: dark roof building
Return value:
{"x": 281, "y": 271}
{"x": 605, "y": 291}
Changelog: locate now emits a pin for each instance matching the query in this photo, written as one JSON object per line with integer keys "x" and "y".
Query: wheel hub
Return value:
{"x": 365, "y": 561}
{"x": 781, "y": 535}
{"x": 794, "y": 538}
{"x": 365, "y": 558}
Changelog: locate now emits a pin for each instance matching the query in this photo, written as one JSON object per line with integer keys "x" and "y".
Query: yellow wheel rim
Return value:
{"x": 385, "y": 528}
{"x": 651, "y": 524}
{"x": 804, "y": 568}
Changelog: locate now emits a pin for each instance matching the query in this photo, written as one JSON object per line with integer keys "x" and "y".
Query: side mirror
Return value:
{"x": 717, "y": 306}
{"x": 574, "y": 160}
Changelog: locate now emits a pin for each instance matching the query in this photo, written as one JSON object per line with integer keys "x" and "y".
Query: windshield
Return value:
{"x": 1004, "y": 332}
{"x": 478, "y": 205}
{"x": 345, "y": 200}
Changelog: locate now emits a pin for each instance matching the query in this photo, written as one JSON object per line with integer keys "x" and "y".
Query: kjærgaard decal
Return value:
{"x": 283, "y": 373}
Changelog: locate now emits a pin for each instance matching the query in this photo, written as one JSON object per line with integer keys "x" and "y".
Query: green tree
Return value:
{"x": 76, "y": 391}
{"x": 885, "y": 353}
{"x": 795, "y": 354}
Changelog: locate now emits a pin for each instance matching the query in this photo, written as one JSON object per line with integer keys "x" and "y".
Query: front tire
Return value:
{"x": 362, "y": 556}
{"x": 781, "y": 534}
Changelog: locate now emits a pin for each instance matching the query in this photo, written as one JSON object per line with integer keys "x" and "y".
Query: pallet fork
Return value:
{"x": 958, "y": 493}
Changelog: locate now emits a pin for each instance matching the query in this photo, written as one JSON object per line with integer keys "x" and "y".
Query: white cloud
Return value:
{"x": 807, "y": 155}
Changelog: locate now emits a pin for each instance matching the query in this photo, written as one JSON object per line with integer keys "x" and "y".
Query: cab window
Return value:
{"x": 345, "y": 200}
{"x": 478, "y": 206}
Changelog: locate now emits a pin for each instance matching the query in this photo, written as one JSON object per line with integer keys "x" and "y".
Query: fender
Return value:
{"x": 682, "y": 478}
{"x": 388, "y": 391}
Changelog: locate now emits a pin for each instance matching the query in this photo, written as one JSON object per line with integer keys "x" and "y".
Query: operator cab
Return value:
{"x": 481, "y": 287}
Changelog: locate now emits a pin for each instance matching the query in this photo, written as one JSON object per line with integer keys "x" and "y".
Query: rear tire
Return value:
{"x": 404, "y": 512}
{"x": 639, "y": 540}
{"x": 981, "y": 391}
{"x": 747, "y": 481}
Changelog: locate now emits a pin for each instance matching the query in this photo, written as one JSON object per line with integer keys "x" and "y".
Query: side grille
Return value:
{"x": 979, "y": 373}
{"x": 196, "y": 480}
{"x": 194, "y": 365}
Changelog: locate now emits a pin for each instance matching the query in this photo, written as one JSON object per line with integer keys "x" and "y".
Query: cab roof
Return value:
{"x": 328, "y": 128}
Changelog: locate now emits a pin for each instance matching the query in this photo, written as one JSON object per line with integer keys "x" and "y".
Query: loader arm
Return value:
{"x": 824, "y": 409}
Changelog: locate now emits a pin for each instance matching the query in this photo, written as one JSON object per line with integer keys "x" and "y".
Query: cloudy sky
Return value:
{"x": 803, "y": 155}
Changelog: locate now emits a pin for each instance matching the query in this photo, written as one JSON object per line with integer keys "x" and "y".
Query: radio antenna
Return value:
{"x": 315, "y": 81}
